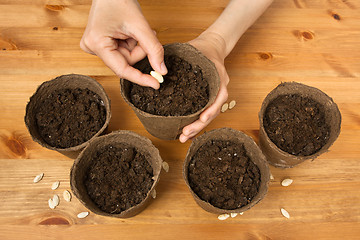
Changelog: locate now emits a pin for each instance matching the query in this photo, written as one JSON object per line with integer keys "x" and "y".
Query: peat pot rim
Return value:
{"x": 79, "y": 167}
{"x": 62, "y": 82}
{"x": 253, "y": 152}
{"x": 177, "y": 47}
{"x": 274, "y": 154}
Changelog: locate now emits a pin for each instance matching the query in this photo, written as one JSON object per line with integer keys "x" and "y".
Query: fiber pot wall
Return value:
{"x": 280, "y": 158}
{"x": 80, "y": 166}
{"x": 252, "y": 150}
{"x": 71, "y": 81}
{"x": 170, "y": 127}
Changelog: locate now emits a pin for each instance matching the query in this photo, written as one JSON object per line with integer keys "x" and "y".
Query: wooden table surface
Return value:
{"x": 313, "y": 42}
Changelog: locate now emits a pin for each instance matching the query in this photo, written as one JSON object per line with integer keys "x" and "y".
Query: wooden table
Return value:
{"x": 312, "y": 42}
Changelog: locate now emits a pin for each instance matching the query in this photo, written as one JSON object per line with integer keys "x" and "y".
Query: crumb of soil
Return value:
{"x": 70, "y": 117}
{"x": 183, "y": 92}
{"x": 118, "y": 178}
{"x": 221, "y": 173}
{"x": 296, "y": 124}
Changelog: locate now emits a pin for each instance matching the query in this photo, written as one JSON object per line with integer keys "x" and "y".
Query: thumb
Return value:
{"x": 152, "y": 47}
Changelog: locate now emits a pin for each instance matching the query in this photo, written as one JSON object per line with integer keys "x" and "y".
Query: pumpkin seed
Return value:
{"x": 285, "y": 213}
{"x": 165, "y": 166}
{"x": 67, "y": 195}
{"x": 83, "y": 214}
{"x": 286, "y": 182}
{"x": 56, "y": 200}
{"x": 224, "y": 107}
{"x": 232, "y": 104}
{"x": 223, "y": 216}
{"x": 233, "y": 215}
{"x": 38, "y": 177}
{"x": 158, "y": 76}
{"x": 55, "y": 185}
{"x": 51, "y": 204}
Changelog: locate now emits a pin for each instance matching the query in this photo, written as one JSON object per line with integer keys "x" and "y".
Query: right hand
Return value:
{"x": 119, "y": 34}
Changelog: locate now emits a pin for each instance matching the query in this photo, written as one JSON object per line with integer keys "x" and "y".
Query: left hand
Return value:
{"x": 212, "y": 46}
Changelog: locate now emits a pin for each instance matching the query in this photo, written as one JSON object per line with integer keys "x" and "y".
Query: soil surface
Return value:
{"x": 183, "y": 92}
{"x": 296, "y": 124}
{"x": 70, "y": 117}
{"x": 222, "y": 174}
{"x": 118, "y": 178}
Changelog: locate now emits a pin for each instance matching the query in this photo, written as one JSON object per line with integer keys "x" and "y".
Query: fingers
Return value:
{"x": 133, "y": 56}
{"x": 119, "y": 64}
{"x": 152, "y": 47}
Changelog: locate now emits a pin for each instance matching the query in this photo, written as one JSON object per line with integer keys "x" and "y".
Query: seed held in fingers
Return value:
{"x": 232, "y": 104}
{"x": 55, "y": 185}
{"x": 38, "y": 177}
{"x": 224, "y": 107}
{"x": 158, "y": 76}
{"x": 286, "y": 182}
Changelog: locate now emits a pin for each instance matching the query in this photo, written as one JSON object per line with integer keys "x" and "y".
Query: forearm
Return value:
{"x": 237, "y": 17}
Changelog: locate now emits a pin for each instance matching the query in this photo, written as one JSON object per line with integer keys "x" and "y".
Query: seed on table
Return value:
{"x": 55, "y": 185}
{"x": 224, "y": 107}
{"x": 158, "y": 76}
{"x": 241, "y": 213}
{"x": 38, "y": 177}
{"x": 271, "y": 176}
{"x": 232, "y": 104}
{"x": 153, "y": 194}
{"x": 56, "y": 200}
{"x": 233, "y": 215}
{"x": 285, "y": 213}
{"x": 165, "y": 166}
{"x": 67, "y": 195}
{"x": 83, "y": 214}
{"x": 51, "y": 204}
{"x": 286, "y": 182}
{"x": 223, "y": 216}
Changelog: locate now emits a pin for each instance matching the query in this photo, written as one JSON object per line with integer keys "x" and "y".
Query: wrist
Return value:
{"x": 216, "y": 41}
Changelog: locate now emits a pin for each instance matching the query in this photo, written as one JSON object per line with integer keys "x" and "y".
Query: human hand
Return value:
{"x": 119, "y": 34}
{"x": 212, "y": 46}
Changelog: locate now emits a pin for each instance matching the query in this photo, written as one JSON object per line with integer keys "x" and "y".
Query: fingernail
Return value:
{"x": 183, "y": 139}
{"x": 163, "y": 68}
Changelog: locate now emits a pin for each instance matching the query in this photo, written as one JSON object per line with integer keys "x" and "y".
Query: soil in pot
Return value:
{"x": 296, "y": 124}
{"x": 183, "y": 92}
{"x": 221, "y": 173}
{"x": 70, "y": 117}
{"x": 118, "y": 178}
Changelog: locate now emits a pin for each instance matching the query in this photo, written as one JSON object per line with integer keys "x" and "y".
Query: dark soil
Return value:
{"x": 70, "y": 117}
{"x": 183, "y": 92}
{"x": 296, "y": 124}
{"x": 222, "y": 174}
{"x": 118, "y": 178}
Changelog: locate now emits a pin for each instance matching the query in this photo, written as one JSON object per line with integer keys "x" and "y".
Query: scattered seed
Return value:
{"x": 55, "y": 185}
{"x": 153, "y": 194}
{"x": 271, "y": 176}
{"x": 241, "y": 213}
{"x": 233, "y": 215}
{"x": 223, "y": 216}
{"x": 286, "y": 182}
{"x": 285, "y": 213}
{"x": 224, "y": 107}
{"x": 232, "y": 104}
{"x": 83, "y": 214}
{"x": 51, "y": 204}
{"x": 38, "y": 177}
{"x": 56, "y": 200}
{"x": 158, "y": 76}
{"x": 67, "y": 195}
{"x": 165, "y": 166}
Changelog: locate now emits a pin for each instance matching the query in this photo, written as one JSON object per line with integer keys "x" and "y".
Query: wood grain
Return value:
{"x": 312, "y": 42}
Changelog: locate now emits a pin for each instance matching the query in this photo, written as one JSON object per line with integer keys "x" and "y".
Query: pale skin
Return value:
{"x": 119, "y": 34}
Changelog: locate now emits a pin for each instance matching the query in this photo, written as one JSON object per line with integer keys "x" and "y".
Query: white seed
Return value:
{"x": 83, "y": 214}
{"x": 51, "y": 204}
{"x": 224, "y": 107}
{"x": 271, "y": 176}
{"x": 286, "y": 182}
{"x": 241, "y": 213}
{"x": 165, "y": 166}
{"x": 223, "y": 216}
{"x": 67, "y": 195}
{"x": 56, "y": 200}
{"x": 233, "y": 215}
{"x": 38, "y": 177}
{"x": 153, "y": 194}
{"x": 232, "y": 104}
{"x": 285, "y": 213}
{"x": 158, "y": 76}
{"x": 55, "y": 185}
